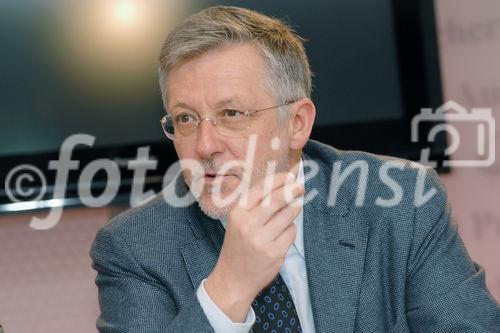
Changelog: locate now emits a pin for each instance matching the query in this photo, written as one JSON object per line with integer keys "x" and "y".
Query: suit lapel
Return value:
{"x": 200, "y": 255}
{"x": 200, "y": 258}
{"x": 334, "y": 245}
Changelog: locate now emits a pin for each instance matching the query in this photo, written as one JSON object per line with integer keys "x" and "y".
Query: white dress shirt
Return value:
{"x": 293, "y": 273}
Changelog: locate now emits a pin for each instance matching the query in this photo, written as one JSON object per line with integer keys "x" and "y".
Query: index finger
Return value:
{"x": 263, "y": 187}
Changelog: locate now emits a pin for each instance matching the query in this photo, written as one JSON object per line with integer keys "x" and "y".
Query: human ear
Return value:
{"x": 301, "y": 122}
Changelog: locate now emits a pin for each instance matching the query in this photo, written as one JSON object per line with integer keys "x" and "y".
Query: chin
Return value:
{"x": 217, "y": 203}
{"x": 211, "y": 209}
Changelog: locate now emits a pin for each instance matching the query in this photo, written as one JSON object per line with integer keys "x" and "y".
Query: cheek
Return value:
{"x": 178, "y": 148}
{"x": 237, "y": 148}
{"x": 184, "y": 150}
{"x": 186, "y": 156}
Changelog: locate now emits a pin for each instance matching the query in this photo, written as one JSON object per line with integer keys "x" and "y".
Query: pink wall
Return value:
{"x": 470, "y": 53}
{"x": 46, "y": 282}
{"x": 47, "y": 285}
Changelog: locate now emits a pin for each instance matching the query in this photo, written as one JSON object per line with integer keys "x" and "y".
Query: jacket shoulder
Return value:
{"x": 154, "y": 222}
{"x": 379, "y": 170}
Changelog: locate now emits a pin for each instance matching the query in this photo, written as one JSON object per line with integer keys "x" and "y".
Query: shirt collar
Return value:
{"x": 299, "y": 220}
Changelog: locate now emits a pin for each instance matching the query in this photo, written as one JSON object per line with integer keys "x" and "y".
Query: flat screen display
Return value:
{"x": 90, "y": 66}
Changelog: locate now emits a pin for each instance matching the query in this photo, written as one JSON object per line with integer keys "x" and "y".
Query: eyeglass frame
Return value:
{"x": 214, "y": 122}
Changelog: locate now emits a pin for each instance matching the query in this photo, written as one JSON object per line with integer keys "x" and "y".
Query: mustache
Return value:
{"x": 213, "y": 167}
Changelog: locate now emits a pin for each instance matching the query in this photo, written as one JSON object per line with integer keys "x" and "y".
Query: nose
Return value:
{"x": 208, "y": 141}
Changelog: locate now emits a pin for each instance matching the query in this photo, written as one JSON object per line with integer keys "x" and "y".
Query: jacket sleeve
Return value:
{"x": 446, "y": 290}
{"x": 131, "y": 300}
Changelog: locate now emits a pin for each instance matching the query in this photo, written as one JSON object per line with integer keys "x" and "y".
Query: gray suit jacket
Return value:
{"x": 370, "y": 269}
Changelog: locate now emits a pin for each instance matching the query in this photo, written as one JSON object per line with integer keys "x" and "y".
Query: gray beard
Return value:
{"x": 219, "y": 213}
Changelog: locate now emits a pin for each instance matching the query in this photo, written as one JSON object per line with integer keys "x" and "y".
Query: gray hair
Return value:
{"x": 287, "y": 67}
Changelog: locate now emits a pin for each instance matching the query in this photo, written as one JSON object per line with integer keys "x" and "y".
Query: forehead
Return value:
{"x": 233, "y": 72}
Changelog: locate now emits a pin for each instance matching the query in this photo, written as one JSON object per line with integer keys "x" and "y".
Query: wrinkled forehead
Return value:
{"x": 233, "y": 73}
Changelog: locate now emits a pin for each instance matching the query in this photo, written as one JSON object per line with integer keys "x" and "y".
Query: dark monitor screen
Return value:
{"x": 88, "y": 68}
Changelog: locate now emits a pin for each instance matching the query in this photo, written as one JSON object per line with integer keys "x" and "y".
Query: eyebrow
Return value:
{"x": 219, "y": 105}
{"x": 181, "y": 105}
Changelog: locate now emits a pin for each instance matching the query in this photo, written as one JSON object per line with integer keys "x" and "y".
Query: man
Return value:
{"x": 348, "y": 246}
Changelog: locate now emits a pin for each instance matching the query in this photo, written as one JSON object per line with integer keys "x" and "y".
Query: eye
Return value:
{"x": 186, "y": 118}
{"x": 231, "y": 113}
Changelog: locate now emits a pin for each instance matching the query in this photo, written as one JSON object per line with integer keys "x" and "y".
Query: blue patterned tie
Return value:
{"x": 273, "y": 306}
{"x": 274, "y": 309}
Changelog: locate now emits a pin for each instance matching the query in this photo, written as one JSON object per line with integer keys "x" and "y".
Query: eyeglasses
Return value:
{"x": 228, "y": 122}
